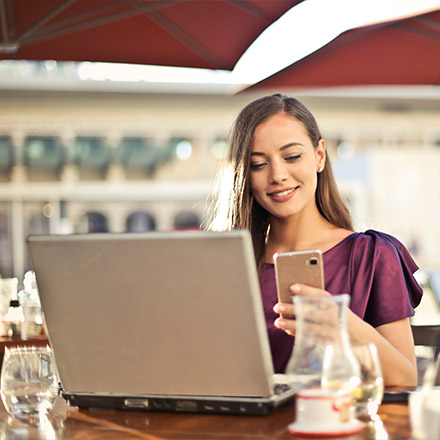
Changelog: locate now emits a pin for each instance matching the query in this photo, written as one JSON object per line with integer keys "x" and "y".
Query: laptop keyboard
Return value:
{"x": 281, "y": 388}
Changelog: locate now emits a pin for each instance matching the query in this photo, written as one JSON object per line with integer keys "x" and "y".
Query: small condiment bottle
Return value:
{"x": 14, "y": 319}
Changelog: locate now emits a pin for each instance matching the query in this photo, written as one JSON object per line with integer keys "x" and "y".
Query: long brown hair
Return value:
{"x": 234, "y": 207}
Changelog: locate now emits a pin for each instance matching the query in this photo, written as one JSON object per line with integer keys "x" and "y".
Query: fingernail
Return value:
{"x": 280, "y": 323}
{"x": 279, "y": 308}
{"x": 295, "y": 288}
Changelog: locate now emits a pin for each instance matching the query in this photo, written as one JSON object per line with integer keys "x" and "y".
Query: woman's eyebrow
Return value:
{"x": 284, "y": 147}
{"x": 291, "y": 144}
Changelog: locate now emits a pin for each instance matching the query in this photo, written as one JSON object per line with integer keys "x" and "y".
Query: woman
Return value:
{"x": 278, "y": 183}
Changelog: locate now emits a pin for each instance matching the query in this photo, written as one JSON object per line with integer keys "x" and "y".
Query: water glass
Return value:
{"x": 369, "y": 393}
{"x": 29, "y": 382}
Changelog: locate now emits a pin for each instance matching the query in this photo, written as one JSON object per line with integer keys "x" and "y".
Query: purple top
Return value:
{"x": 376, "y": 271}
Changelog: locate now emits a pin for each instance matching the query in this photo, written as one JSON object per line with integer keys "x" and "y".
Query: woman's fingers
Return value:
{"x": 320, "y": 321}
{"x": 284, "y": 309}
{"x": 286, "y": 321}
{"x": 303, "y": 289}
{"x": 288, "y": 325}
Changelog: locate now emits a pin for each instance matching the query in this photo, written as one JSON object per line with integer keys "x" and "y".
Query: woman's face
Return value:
{"x": 284, "y": 165}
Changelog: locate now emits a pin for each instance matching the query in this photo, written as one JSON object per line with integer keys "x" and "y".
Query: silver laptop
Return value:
{"x": 157, "y": 321}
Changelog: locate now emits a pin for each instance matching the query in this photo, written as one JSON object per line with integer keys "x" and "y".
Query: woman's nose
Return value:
{"x": 278, "y": 173}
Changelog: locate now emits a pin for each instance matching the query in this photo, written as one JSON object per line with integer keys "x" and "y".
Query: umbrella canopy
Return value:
{"x": 398, "y": 52}
{"x": 209, "y": 34}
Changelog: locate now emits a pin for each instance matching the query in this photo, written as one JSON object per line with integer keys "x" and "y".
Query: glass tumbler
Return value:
{"x": 29, "y": 383}
{"x": 368, "y": 395}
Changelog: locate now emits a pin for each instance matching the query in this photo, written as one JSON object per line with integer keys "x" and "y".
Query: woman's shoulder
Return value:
{"x": 381, "y": 246}
{"x": 370, "y": 239}
{"x": 377, "y": 239}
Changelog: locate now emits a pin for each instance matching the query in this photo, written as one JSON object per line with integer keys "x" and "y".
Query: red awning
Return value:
{"x": 398, "y": 52}
{"x": 187, "y": 33}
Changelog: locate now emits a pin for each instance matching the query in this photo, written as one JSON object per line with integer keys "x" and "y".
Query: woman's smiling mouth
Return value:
{"x": 282, "y": 195}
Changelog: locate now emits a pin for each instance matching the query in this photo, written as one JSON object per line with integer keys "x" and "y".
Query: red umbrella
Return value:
{"x": 187, "y": 33}
{"x": 398, "y": 52}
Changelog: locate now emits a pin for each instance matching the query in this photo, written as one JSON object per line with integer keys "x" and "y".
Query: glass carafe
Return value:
{"x": 322, "y": 354}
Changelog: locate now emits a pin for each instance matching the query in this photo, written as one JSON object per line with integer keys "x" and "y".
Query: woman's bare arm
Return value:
{"x": 395, "y": 345}
{"x": 394, "y": 340}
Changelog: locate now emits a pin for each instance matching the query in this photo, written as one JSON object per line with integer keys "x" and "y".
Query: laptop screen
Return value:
{"x": 173, "y": 313}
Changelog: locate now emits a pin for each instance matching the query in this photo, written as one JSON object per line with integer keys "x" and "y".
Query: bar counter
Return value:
{"x": 67, "y": 422}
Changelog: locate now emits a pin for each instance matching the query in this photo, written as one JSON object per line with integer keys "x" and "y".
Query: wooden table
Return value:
{"x": 9, "y": 342}
{"x": 70, "y": 423}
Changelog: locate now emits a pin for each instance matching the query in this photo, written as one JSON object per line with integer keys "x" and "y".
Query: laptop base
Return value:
{"x": 186, "y": 404}
{"x": 143, "y": 321}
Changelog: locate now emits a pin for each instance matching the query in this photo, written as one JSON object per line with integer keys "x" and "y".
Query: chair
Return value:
{"x": 427, "y": 336}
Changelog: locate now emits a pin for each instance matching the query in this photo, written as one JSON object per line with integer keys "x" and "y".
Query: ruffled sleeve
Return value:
{"x": 376, "y": 271}
{"x": 383, "y": 287}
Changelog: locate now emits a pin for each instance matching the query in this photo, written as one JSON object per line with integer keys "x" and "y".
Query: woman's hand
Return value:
{"x": 393, "y": 340}
{"x": 287, "y": 321}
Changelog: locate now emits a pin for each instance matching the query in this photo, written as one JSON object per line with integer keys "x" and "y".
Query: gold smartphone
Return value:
{"x": 304, "y": 267}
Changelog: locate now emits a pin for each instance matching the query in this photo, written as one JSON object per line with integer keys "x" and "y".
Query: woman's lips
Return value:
{"x": 282, "y": 195}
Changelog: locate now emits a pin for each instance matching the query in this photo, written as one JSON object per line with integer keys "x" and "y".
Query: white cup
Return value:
{"x": 334, "y": 407}
{"x": 325, "y": 411}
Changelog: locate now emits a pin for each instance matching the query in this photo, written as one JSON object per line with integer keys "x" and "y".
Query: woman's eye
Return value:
{"x": 257, "y": 166}
{"x": 293, "y": 157}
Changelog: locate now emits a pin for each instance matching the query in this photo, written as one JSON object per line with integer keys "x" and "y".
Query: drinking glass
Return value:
{"x": 369, "y": 393}
{"x": 29, "y": 382}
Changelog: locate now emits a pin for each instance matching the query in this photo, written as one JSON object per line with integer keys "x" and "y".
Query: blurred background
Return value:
{"x": 88, "y": 145}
